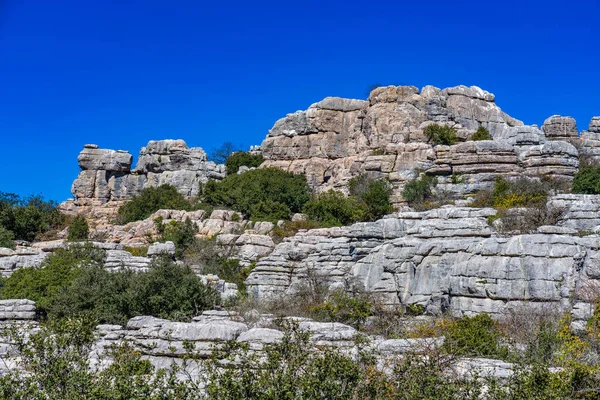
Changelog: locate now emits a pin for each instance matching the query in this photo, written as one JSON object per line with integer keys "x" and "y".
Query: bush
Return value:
{"x": 166, "y": 290}
{"x": 28, "y": 217}
{"x": 6, "y": 238}
{"x": 55, "y": 364}
{"x": 441, "y": 134}
{"x": 78, "y": 229}
{"x": 56, "y": 272}
{"x": 333, "y": 208}
{"x": 374, "y": 194}
{"x": 150, "y": 200}
{"x": 343, "y": 307}
{"x": 419, "y": 190}
{"x": 476, "y": 336}
{"x": 242, "y": 158}
{"x": 481, "y": 134}
{"x": 182, "y": 234}
{"x": 587, "y": 180}
{"x": 272, "y": 186}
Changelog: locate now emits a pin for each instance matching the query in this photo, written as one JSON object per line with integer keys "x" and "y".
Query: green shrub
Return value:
{"x": 6, "y": 238}
{"x": 180, "y": 233}
{"x": 138, "y": 251}
{"x": 166, "y": 290}
{"x": 343, "y": 307}
{"x": 290, "y": 228}
{"x": 374, "y": 194}
{"x": 481, "y": 134}
{"x": 56, "y": 272}
{"x": 150, "y": 200}
{"x": 476, "y": 336}
{"x": 441, "y": 134}
{"x": 78, "y": 229}
{"x": 28, "y": 217}
{"x": 269, "y": 210}
{"x": 55, "y": 364}
{"x": 587, "y": 180}
{"x": 242, "y": 158}
{"x": 333, "y": 208}
{"x": 419, "y": 190}
{"x": 272, "y": 186}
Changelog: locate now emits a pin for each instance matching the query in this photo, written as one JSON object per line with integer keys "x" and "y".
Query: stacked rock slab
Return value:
{"x": 443, "y": 259}
{"x": 590, "y": 139}
{"x": 106, "y": 178}
{"x": 337, "y": 139}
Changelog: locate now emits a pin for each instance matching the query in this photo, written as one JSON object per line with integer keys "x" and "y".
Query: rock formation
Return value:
{"x": 106, "y": 177}
{"x": 446, "y": 259}
{"x": 336, "y": 139}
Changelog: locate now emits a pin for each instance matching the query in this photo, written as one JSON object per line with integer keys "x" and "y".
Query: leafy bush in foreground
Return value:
{"x": 256, "y": 192}
{"x": 150, "y": 200}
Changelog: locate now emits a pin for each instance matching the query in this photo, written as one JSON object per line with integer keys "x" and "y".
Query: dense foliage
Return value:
{"x": 334, "y": 208}
{"x": 481, "y": 134}
{"x": 266, "y": 194}
{"x": 242, "y": 158}
{"x": 78, "y": 229}
{"x": 27, "y": 217}
{"x": 180, "y": 233}
{"x": 587, "y": 180}
{"x": 373, "y": 193}
{"x": 150, "y": 200}
{"x": 419, "y": 190}
{"x": 441, "y": 134}
{"x": 73, "y": 282}
{"x": 6, "y": 238}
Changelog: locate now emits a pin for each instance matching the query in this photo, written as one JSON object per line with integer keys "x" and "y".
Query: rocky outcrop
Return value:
{"x": 557, "y": 127}
{"x": 19, "y": 309}
{"x": 106, "y": 176}
{"x": 446, "y": 259}
{"x": 337, "y": 139}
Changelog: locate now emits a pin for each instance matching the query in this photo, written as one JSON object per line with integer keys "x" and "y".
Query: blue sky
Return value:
{"x": 121, "y": 73}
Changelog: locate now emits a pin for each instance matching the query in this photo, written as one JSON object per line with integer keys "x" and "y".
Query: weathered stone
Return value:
{"x": 560, "y": 128}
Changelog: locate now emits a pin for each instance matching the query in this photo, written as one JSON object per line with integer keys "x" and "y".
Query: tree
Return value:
{"x": 78, "y": 229}
{"x": 220, "y": 154}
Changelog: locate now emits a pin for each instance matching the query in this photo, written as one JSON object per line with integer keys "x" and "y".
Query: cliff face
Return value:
{"x": 336, "y": 139}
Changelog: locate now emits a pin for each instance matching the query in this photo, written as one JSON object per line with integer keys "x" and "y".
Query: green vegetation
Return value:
{"x": 78, "y": 229}
{"x": 27, "y": 217}
{"x": 180, "y": 233}
{"x": 150, "y": 200}
{"x": 343, "y": 307}
{"x": 242, "y": 158}
{"x": 290, "y": 228}
{"x": 166, "y": 290}
{"x": 222, "y": 153}
{"x": 73, "y": 282}
{"x": 441, "y": 134}
{"x": 333, "y": 208}
{"x": 266, "y": 194}
{"x": 476, "y": 336}
{"x": 57, "y": 271}
{"x": 521, "y": 203}
{"x": 56, "y": 359}
{"x": 420, "y": 190}
{"x": 587, "y": 180}
{"x": 6, "y": 238}
{"x": 481, "y": 134}
{"x": 373, "y": 193}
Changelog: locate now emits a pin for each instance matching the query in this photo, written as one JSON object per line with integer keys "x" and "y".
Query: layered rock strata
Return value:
{"x": 447, "y": 259}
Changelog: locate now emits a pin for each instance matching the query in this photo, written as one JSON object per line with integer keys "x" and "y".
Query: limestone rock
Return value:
{"x": 560, "y": 128}
{"x": 156, "y": 249}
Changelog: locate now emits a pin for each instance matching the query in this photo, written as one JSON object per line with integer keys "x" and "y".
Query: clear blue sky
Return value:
{"x": 120, "y": 73}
